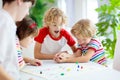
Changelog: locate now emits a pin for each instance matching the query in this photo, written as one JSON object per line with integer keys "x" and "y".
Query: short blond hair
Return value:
{"x": 84, "y": 27}
{"x": 52, "y": 14}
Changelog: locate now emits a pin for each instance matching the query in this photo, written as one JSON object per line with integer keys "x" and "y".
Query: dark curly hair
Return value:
{"x": 26, "y": 27}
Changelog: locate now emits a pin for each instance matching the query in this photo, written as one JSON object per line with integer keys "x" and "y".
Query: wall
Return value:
{"x": 116, "y": 62}
{"x": 83, "y": 9}
{"x": 80, "y": 9}
{"x": 0, "y": 3}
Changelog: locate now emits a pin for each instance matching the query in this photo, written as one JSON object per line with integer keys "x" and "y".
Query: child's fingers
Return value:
{"x": 61, "y": 56}
{"x": 56, "y": 59}
{"x": 56, "y": 55}
{"x": 38, "y": 63}
{"x": 59, "y": 59}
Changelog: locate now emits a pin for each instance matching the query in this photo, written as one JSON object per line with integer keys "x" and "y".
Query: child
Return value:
{"x": 89, "y": 47}
{"x": 12, "y": 11}
{"x": 26, "y": 31}
{"x": 52, "y": 37}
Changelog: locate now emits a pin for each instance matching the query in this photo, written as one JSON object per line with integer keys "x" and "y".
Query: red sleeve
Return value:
{"x": 69, "y": 38}
{"x": 42, "y": 34}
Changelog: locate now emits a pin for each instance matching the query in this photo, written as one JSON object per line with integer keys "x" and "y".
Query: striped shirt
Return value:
{"x": 99, "y": 55}
{"x": 19, "y": 52}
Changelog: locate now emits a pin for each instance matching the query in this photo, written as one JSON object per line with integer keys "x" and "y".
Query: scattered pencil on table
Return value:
{"x": 77, "y": 62}
{"x": 68, "y": 69}
{"x": 62, "y": 74}
{"x": 78, "y": 67}
{"x": 81, "y": 67}
{"x": 40, "y": 72}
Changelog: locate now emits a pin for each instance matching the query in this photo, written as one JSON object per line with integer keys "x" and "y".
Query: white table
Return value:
{"x": 51, "y": 70}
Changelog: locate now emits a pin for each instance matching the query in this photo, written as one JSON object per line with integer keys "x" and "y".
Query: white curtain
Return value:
{"x": 79, "y": 9}
{"x": 74, "y": 9}
{"x": 116, "y": 61}
{"x": 70, "y": 11}
{"x": 68, "y": 7}
{"x": 0, "y": 4}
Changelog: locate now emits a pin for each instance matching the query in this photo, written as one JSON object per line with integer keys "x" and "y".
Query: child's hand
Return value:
{"x": 57, "y": 55}
{"x": 62, "y": 57}
{"x": 35, "y": 62}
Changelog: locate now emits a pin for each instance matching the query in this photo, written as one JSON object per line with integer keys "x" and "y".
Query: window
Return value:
{"x": 91, "y": 13}
{"x": 79, "y": 9}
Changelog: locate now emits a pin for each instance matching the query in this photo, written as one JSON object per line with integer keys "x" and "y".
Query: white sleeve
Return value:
{"x": 3, "y": 39}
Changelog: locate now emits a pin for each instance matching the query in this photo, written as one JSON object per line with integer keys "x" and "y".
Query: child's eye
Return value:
{"x": 55, "y": 25}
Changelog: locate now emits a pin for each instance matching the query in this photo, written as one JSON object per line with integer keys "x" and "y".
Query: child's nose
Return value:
{"x": 58, "y": 27}
{"x": 81, "y": 42}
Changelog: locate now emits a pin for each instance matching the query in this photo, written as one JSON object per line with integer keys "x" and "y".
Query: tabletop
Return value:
{"x": 50, "y": 70}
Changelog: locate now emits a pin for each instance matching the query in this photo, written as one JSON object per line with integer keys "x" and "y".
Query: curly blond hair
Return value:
{"x": 84, "y": 27}
{"x": 52, "y": 14}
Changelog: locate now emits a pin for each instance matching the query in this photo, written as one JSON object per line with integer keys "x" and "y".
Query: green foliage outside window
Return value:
{"x": 108, "y": 24}
{"x": 38, "y": 10}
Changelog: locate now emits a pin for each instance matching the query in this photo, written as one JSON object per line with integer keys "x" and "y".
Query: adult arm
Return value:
{"x": 4, "y": 75}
